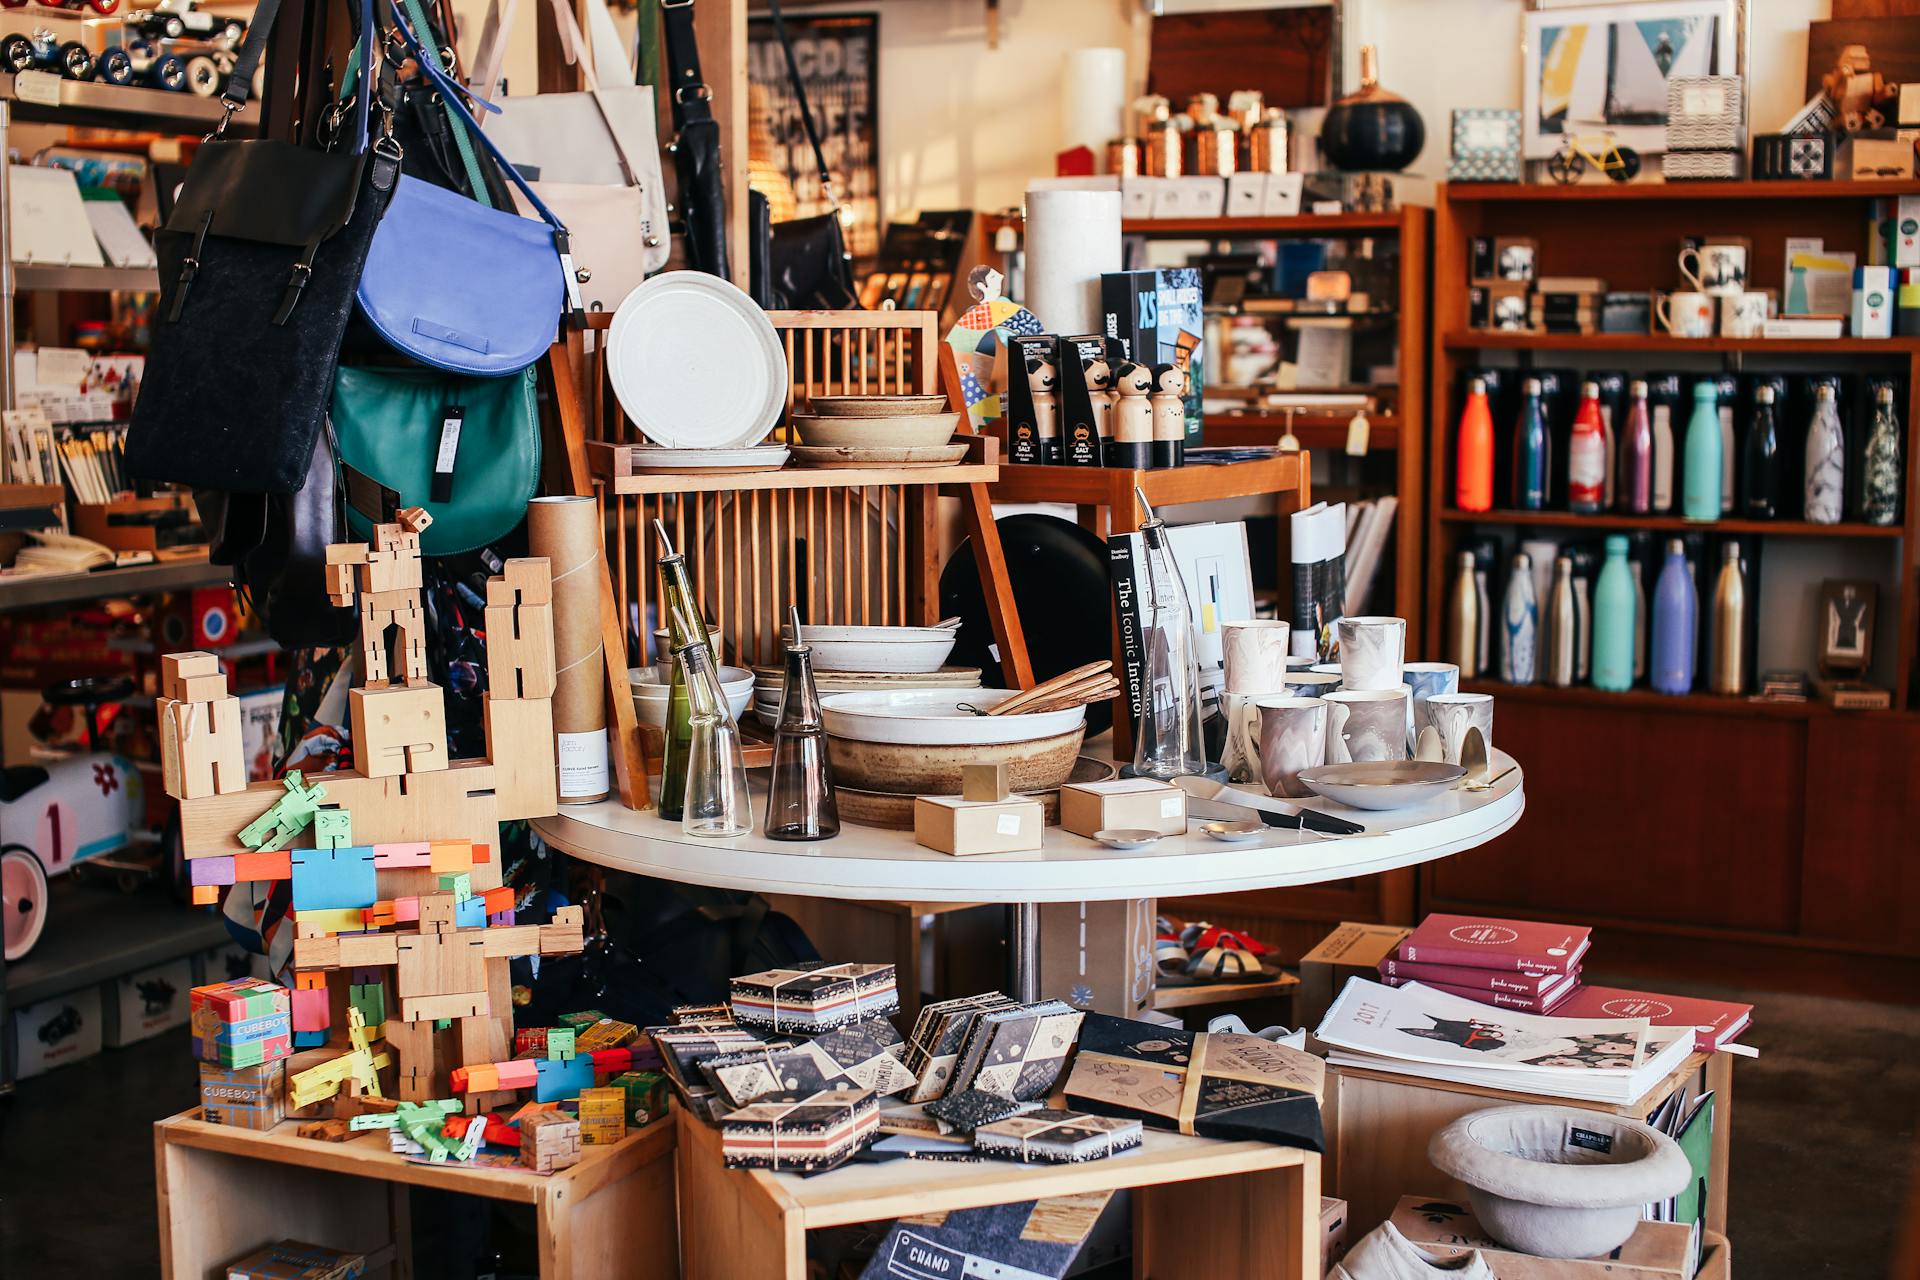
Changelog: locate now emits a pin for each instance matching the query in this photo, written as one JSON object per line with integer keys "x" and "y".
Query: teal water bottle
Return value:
{"x": 1700, "y": 499}
{"x": 1613, "y": 617}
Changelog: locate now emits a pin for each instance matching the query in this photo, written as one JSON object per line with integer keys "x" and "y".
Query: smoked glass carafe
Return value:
{"x": 800, "y": 805}
{"x": 716, "y": 803}
{"x": 1167, "y": 741}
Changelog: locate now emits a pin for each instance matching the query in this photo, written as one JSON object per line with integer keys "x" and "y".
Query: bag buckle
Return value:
{"x": 296, "y": 281}
{"x": 189, "y": 268}
{"x": 227, "y": 109}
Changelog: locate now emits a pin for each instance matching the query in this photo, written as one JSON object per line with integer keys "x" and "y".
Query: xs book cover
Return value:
{"x": 1478, "y": 942}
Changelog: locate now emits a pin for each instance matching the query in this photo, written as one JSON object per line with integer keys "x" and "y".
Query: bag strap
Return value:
{"x": 239, "y": 86}
{"x": 453, "y": 92}
{"x": 476, "y": 180}
{"x": 691, "y": 99}
{"x": 800, "y": 96}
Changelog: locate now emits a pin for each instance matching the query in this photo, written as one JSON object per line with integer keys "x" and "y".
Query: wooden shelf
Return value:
{"x": 1635, "y": 192}
{"x": 1094, "y": 486}
{"x": 1210, "y": 993}
{"x": 614, "y": 462}
{"x": 1674, "y": 524}
{"x": 1300, "y": 224}
{"x": 1641, "y": 699}
{"x": 28, "y": 276}
{"x": 1315, "y": 433}
{"x": 1526, "y": 340}
{"x": 110, "y": 106}
{"x": 34, "y": 590}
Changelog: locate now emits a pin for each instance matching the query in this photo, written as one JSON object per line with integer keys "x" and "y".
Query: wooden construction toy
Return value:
{"x": 549, "y": 1141}
{"x": 201, "y": 752}
{"x": 357, "y": 1071}
{"x": 384, "y": 578}
{"x": 520, "y": 682}
{"x": 417, "y": 1129}
{"x": 551, "y": 1079}
{"x": 1169, "y": 415}
{"x": 286, "y": 817}
{"x": 603, "y": 1116}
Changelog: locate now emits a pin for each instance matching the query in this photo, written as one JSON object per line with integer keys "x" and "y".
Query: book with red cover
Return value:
{"x": 1552, "y": 1003}
{"x": 1520, "y": 982}
{"x": 1715, "y": 1022}
{"x": 1480, "y": 942}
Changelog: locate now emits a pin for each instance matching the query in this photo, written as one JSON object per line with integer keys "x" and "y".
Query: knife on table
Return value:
{"x": 1209, "y": 799}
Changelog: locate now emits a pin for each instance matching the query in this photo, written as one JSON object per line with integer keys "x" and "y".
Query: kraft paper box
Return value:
{"x": 1333, "y": 1232}
{"x": 1195, "y": 1082}
{"x": 243, "y": 1097}
{"x": 1099, "y": 955}
{"x": 1352, "y": 950}
{"x": 1655, "y": 1250}
{"x": 1138, "y": 803}
{"x": 978, "y": 826}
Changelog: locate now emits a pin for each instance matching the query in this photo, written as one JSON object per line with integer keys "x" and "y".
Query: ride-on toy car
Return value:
{"x": 172, "y": 19}
{"x": 53, "y": 819}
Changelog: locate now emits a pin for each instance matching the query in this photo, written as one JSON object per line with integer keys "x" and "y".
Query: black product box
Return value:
{"x": 1033, "y": 399}
{"x": 1626, "y": 313}
{"x": 1793, "y": 155}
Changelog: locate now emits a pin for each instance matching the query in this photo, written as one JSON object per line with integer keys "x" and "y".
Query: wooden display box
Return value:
{"x": 1378, "y": 1125}
{"x": 1244, "y": 1209}
{"x": 92, "y": 520}
{"x": 224, "y": 1192}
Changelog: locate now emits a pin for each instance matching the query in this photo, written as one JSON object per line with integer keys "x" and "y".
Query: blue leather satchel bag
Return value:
{"x": 454, "y": 284}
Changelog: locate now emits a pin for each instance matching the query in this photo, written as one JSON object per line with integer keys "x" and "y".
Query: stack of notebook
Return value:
{"x": 1510, "y": 964}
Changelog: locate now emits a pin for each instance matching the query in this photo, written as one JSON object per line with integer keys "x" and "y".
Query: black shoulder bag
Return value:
{"x": 696, "y": 145}
{"x": 809, "y": 265}
{"x": 258, "y": 261}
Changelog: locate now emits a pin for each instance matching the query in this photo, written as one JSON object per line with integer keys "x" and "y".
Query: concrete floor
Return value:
{"x": 1824, "y": 1124}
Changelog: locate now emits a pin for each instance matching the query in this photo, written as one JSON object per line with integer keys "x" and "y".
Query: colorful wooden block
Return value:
{"x": 406, "y": 910}
{"x": 560, "y": 1043}
{"x": 603, "y": 1116}
{"x": 448, "y": 856}
{"x": 211, "y": 871}
{"x": 333, "y": 829}
{"x": 558, "y": 1079}
{"x": 273, "y": 865}
{"x": 370, "y": 998}
{"x": 459, "y": 884}
{"x": 470, "y": 914}
{"x": 334, "y": 879}
{"x": 310, "y": 1010}
{"x": 519, "y": 1073}
{"x": 331, "y": 919}
{"x": 402, "y": 856}
{"x": 498, "y": 900}
{"x": 205, "y": 895}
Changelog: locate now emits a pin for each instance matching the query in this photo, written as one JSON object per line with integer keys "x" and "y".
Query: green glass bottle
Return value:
{"x": 1614, "y": 623}
{"x": 681, "y": 614}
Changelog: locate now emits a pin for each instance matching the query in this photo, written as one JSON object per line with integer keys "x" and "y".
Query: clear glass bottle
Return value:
{"x": 681, "y": 616}
{"x": 716, "y": 803}
{"x": 1167, "y": 741}
{"x": 1881, "y": 464}
{"x": 800, "y": 802}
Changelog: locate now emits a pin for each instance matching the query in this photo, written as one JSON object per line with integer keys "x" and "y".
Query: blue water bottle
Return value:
{"x": 1675, "y": 619}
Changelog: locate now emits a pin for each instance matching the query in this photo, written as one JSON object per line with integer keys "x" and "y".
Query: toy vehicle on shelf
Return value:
{"x": 155, "y": 68}
{"x": 172, "y": 19}
{"x": 45, "y": 51}
{"x": 1622, "y": 164}
{"x": 101, "y": 7}
{"x": 54, "y": 818}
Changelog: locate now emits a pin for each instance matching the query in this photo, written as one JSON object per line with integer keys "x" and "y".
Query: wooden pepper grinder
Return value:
{"x": 1099, "y": 376}
{"x": 1169, "y": 415}
{"x": 1043, "y": 379}
{"x": 1130, "y": 444}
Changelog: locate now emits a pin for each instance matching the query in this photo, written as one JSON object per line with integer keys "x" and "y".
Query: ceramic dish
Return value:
{"x": 695, "y": 364}
{"x": 908, "y": 769}
{"x": 935, "y": 718}
{"x": 894, "y": 810}
{"x": 774, "y": 678}
{"x": 650, "y": 693}
{"x": 945, "y": 455}
{"x": 897, "y": 650}
{"x": 656, "y": 460}
{"x": 915, "y": 431}
{"x": 1127, "y": 837}
{"x": 1234, "y": 832}
{"x": 1382, "y": 784}
{"x": 877, "y": 406}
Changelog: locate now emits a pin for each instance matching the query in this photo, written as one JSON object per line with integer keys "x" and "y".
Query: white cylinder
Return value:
{"x": 1072, "y": 238}
{"x": 1093, "y": 94}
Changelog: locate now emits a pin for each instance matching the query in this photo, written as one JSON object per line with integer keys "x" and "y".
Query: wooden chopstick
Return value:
{"x": 1048, "y": 688}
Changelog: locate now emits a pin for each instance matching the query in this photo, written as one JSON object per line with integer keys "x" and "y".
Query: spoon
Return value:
{"x": 1488, "y": 785}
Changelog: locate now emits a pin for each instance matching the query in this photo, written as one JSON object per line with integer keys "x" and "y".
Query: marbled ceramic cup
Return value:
{"x": 1367, "y": 724}
{"x": 1293, "y": 736}
{"x": 1255, "y": 653}
{"x": 1372, "y": 652}
{"x": 1452, "y": 714}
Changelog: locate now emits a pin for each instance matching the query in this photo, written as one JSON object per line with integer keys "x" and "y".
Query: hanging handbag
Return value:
{"x": 454, "y": 284}
{"x": 466, "y": 449}
{"x": 258, "y": 261}
{"x": 696, "y": 149}
{"x": 593, "y": 158}
{"x": 809, "y": 266}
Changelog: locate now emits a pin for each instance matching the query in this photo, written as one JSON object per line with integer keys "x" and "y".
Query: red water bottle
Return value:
{"x": 1474, "y": 463}
{"x": 1587, "y": 454}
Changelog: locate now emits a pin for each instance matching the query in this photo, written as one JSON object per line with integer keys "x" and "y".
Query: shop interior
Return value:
{"x": 860, "y": 639}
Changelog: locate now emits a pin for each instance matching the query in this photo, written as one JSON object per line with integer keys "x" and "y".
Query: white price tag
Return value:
{"x": 1007, "y": 824}
{"x": 42, "y": 87}
{"x": 1170, "y": 806}
{"x": 1358, "y": 429}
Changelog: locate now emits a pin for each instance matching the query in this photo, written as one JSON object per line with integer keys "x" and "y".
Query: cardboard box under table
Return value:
{"x": 1378, "y": 1125}
{"x": 224, "y": 1192}
{"x": 1250, "y": 1210}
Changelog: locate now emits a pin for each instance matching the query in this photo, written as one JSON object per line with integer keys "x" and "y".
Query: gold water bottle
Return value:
{"x": 1727, "y": 669}
{"x": 1463, "y": 618}
{"x": 1563, "y": 627}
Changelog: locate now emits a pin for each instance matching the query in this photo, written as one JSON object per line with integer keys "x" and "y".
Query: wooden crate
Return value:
{"x": 224, "y": 1192}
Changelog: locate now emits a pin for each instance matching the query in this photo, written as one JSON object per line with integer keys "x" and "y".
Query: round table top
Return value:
{"x": 869, "y": 863}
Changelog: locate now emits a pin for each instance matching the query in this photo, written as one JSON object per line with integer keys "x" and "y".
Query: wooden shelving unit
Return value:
{"x": 1400, "y": 427}
{"x": 1727, "y": 818}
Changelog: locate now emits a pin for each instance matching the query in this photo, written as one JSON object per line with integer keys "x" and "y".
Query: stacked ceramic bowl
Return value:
{"x": 909, "y": 743}
{"x": 650, "y": 692}
{"x": 873, "y": 431}
{"x": 769, "y": 684}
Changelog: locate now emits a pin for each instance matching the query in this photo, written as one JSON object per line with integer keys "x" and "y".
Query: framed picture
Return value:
{"x": 1602, "y": 69}
{"x": 1845, "y": 640}
{"x": 839, "y": 58}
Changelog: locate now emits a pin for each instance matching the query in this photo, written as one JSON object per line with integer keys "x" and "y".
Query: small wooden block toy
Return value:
{"x": 330, "y": 1130}
{"x": 549, "y": 1141}
{"x": 332, "y": 829}
{"x": 519, "y": 617}
{"x": 286, "y": 818}
{"x": 388, "y": 591}
{"x": 560, "y": 1044}
{"x": 603, "y": 1116}
{"x": 200, "y": 744}
{"x": 356, "y": 1071}
{"x": 398, "y": 730}
{"x": 983, "y": 782}
{"x": 243, "y": 1097}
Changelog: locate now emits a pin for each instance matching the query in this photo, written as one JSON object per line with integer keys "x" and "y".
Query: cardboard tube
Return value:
{"x": 566, "y": 531}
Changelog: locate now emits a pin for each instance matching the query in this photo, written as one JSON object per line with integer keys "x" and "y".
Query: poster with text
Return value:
{"x": 838, "y": 59}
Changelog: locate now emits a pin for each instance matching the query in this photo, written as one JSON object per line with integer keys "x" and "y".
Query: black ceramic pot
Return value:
{"x": 1372, "y": 130}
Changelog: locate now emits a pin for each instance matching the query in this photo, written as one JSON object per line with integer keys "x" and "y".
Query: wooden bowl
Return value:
{"x": 905, "y": 431}
{"x": 911, "y": 770}
{"x": 895, "y": 812}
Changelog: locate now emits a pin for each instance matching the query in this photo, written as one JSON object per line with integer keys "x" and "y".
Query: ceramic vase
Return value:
{"x": 1293, "y": 736}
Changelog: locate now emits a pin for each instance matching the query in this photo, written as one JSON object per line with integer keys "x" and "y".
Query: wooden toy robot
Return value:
{"x": 1169, "y": 415}
{"x": 388, "y": 588}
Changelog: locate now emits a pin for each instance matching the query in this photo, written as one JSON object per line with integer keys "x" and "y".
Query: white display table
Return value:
{"x": 876, "y": 864}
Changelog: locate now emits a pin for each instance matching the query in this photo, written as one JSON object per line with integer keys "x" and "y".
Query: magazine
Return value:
{"x": 1416, "y": 1030}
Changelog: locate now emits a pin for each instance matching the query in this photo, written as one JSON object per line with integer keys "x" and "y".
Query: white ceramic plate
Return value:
{"x": 905, "y": 656}
{"x": 695, "y": 364}
{"x": 763, "y": 457}
{"x": 943, "y": 455}
{"x": 1383, "y": 784}
{"x": 932, "y": 717}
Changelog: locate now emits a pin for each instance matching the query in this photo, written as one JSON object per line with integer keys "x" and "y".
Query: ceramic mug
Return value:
{"x": 1717, "y": 269}
{"x": 1367, "y": 724}
{"x": 1743, "y": 315}
{"x": 1312, "y": 684}
{"x": 1256, "y": 655}
{"x": 1372, "y": 652}
{"x": 1240, "y": 755}
{"x": 1293, "y": 736}
{"x": 1452, "y": 714}
{"x": 1685, "y": 314}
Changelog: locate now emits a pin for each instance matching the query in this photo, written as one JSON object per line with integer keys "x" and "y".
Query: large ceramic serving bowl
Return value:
{"x": 894, "y": 811}
{"x": 1383, "y": 784}
{"x": 895, "y": 649}
{"x": 940, "y": 718}
{"x": 909, "y": 431}
{"x": 650, "y": 692}
{"x": 912, "y": 769}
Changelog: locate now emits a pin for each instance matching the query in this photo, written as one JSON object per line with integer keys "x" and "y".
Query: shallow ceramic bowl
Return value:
{"x": 910, "y": 431}
{"x": 1126, "y": 838}
{"x": 650, "y": 692}
{"x": 877, "y": 406}
{"x": 936, "y": 717}
{"x": 894, "y": 811}
{"x": 914, "y": 769}
{"x": 898, "y": 650}
{"x": 1383, "y": 784}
